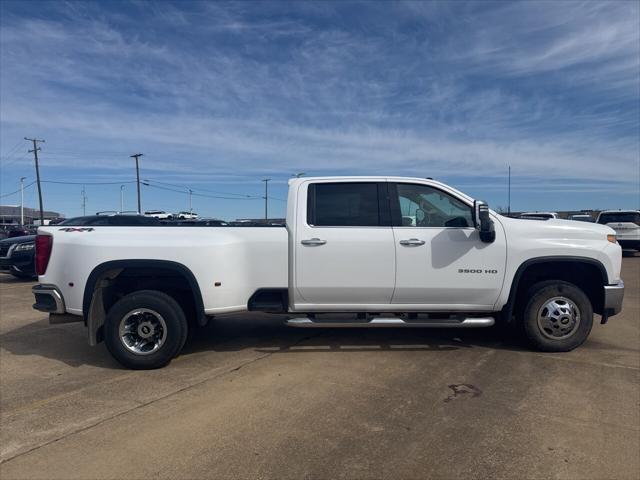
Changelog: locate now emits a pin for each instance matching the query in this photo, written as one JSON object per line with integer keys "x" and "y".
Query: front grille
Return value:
{"x": 4, "y": 249}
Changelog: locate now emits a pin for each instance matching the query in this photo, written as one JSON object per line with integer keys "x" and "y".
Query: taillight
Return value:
{"x": 43, "y": 252}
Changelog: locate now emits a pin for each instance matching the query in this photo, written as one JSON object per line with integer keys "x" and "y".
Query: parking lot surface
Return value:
{"x": 256, "y": 399}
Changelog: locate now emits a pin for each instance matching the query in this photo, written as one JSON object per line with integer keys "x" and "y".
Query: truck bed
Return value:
{"x": 239, "y": 259}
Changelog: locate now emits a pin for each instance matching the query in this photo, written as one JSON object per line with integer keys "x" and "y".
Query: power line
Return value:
{"x": 13, "y": 149}
{"x": 84, "y": 153}
{"x": 203, "y": 189}
{"x": 198, "y": 194}
{"x": 15, "y": 159}
{"x": 17, "y": 191}
{"x": 87, "y": 183}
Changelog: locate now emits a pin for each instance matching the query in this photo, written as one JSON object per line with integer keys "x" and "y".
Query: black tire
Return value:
{"x": 157, "y": 302}
{"x": 552, "y": 338}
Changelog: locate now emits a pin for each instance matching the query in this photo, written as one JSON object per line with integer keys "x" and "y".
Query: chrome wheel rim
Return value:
{"x": 143, "y": 331}
{"x": 558, "y": 318}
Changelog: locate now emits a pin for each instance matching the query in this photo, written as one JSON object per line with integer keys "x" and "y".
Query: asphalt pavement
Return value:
{"x": 256, "y": 399}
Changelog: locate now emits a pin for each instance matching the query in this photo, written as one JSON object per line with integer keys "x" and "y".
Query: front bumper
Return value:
{"x": 613, "y": 295}
{"x": 20, "y": 262}
{"x": 48, "y": 299}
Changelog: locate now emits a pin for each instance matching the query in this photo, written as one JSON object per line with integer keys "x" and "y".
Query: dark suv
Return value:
{"x": 17, "y": 256}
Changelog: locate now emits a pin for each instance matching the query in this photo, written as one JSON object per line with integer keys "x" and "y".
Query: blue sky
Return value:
{"x": 219, "y": 95}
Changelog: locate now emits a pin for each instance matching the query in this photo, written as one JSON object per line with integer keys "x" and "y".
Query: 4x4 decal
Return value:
{"x": 76, "y": 229}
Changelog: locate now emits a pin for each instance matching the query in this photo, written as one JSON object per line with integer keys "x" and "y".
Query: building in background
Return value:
{"x": 10, "y": 215}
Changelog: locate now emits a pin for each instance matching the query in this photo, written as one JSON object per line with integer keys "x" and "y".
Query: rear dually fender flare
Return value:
{"x": 118, "y": 265}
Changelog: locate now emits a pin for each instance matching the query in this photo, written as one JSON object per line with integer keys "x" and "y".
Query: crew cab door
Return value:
{"x": 343, "y": 246}
{"x": 441, "y": 261}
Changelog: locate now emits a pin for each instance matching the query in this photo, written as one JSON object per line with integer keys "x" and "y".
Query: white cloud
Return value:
{"x": 228, "y": 92}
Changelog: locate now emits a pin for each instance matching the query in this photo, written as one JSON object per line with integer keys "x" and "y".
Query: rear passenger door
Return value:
{"x": 343, "y": 246}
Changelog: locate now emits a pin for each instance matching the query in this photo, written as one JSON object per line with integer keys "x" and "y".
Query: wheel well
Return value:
{"x": 154, "y": 278}
{"x": 110, "y": 282}
{"x": 587, "y": 276}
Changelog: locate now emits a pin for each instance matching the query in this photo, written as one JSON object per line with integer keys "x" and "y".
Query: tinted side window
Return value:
{"x": 343, "y": 205}
{"x": 620, "y": 218}
{"x": 424, "y": 206}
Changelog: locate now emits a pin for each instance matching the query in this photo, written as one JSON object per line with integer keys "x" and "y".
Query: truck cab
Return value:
{"x": 388, "y": 245}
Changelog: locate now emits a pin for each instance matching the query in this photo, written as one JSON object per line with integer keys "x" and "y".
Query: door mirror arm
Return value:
{"x": 482, "y": 221}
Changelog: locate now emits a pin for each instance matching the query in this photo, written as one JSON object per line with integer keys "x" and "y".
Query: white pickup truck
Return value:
{"x": 355, "y": 252}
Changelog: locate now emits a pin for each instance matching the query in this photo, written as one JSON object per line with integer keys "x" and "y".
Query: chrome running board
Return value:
{"x": 305, "y": 322}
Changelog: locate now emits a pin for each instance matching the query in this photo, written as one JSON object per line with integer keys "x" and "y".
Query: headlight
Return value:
{"x": 612, "y": 238}
{"x": 21, "y": 247}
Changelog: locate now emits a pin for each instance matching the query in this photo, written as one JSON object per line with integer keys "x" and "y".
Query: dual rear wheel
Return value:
{"x": 145, "y": 330}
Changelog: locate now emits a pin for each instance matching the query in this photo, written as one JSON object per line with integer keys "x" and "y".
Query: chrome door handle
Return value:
{"x": 412, "y": 242}
{"x": 313, "y": 241}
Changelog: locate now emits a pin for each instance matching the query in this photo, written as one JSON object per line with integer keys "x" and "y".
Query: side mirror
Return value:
{"x": 483, "y": 222}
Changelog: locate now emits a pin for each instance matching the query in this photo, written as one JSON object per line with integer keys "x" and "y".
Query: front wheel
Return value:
{"x": 145, "y": 330}
{"x": 557, "y": 317}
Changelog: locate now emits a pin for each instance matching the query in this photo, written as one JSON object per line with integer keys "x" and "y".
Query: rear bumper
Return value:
{"x": 48, "y": 299}
{"x": 613, "y": 295}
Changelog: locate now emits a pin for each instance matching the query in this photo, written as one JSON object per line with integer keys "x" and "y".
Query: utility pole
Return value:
{"x": 266, "y": 198}
{"x": 509, "y": 194}
{"x": 84, "y": 201}
{"x": 35, "y": 155}
{"x": 121, "y": 198}
{"x": 22, "y": 200}
{"x": 190, "y": 207}
{"x": 136, "y": 156}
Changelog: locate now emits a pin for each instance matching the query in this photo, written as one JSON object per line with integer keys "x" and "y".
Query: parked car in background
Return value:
{"x": 199, "y": 222}
{"x": 17, "y": 256}
{"x": 22, "y": 230}
{"x": 583, "y": 218}
{"x": 186, "y": 215}
{"x": 626, "y": 223}
{"x": 211, "y": 222}
{"x": 161, "y": 214}
{"x": 538, "y": 215}
{"x": 256, "y": 223}
{"x": 110, "y": 221}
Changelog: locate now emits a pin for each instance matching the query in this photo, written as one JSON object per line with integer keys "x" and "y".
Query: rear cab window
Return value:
{"x": 348, "y": 204}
